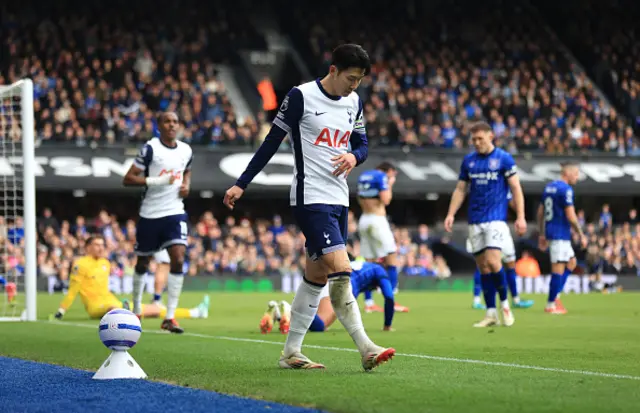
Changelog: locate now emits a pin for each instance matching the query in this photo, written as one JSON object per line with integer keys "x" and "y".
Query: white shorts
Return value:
{"x": 508, "y": 251}
{"x": 491, "y": 235}
{"x": 162, "y": 257}
{"x": 560, "y": 251}
{"x": 376, "y": 238}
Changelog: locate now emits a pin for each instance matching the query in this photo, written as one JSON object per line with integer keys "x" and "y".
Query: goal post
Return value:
{"x": 18, "y": 260}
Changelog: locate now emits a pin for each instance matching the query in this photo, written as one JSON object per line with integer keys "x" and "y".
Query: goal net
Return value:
{"x": 17, "y": 203}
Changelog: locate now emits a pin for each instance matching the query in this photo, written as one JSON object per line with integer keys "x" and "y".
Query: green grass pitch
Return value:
{"x": 585, "y": 361}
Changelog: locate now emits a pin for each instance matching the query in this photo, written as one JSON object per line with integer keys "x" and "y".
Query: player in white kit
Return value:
{"x": 322, "y": 118}
{"x": 163, "y": 168}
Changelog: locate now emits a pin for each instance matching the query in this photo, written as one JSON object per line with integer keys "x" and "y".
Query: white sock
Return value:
{"x": 348, "y": 312}
{"x": 369, "y": 302}
{"x": 194, "y": 312}
{"x": 516, "y": 300}
{"x": 492, "y": 312}
{"x": 276, "y": 311}
{"x": 174, "y": 289}
{"x": 504, "y": 304}
{"x": 138, "y": 289}
{"x": 476, "y": 300}
{"x": 303, "y": 309}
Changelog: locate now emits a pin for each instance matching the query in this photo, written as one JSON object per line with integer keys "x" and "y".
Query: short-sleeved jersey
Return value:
{"x": 366, "y": 275}
{"x": 371, "y": 183}
{"x": 156, "y": 159}
{"x": 556, "y": 197}
{"x": 320, "y": 127}
{"x": 487, "y": 177}
{"x": 89, "y": 278}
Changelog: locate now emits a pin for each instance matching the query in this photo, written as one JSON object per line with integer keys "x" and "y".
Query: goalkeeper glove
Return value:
{"x": 59, "y": 314}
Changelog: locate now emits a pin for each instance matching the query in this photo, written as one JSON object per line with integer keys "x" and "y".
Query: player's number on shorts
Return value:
{"x": 183, "y": 230}
{"x": 548, "y": 209}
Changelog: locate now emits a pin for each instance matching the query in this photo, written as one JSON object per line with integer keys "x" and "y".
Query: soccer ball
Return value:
{"x": 119, "y": 330}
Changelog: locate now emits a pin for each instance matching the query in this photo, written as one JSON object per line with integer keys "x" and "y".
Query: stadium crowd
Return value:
{"x": 432, "y": 75}
{"x": 269, "y": 247}
{"x": 215, "y": 246}
{"x": 105, "y": 81}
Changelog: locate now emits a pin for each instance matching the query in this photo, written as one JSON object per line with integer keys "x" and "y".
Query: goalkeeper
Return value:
{"x": 90, "y": 279}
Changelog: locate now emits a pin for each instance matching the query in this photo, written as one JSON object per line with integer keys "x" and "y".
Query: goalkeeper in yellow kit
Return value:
{"x": 90, "y": 279}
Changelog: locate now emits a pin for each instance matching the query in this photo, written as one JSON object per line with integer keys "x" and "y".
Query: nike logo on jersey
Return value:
{"x": 321, "y": 113}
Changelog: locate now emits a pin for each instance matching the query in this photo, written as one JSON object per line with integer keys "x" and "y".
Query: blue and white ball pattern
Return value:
{"x": 119, "y": 329}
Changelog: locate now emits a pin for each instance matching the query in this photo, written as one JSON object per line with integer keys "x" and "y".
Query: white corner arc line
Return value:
{"x": 420, "y": 356}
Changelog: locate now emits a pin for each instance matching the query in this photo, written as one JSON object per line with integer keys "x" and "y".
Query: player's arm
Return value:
{"x": 457, "y": 198}
{"x": 510, "y": 173}
{"x": 570, "y": 212}
{"x": 285, "y": 121}
{"x": 185, "y": 187}
{"x": 385, "y": 191}
{"x": 75, "y": 282}
{"x": 343, "y": 164}
{"x": 135, "y": 174}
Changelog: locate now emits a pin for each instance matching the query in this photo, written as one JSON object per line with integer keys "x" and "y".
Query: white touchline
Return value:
{"x": 351, "y": 350}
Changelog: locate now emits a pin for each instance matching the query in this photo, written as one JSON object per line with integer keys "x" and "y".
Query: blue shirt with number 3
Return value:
{"x": 556, "y": 197}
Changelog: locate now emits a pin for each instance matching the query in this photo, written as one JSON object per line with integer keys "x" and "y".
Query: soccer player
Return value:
{"x": 322, "y": 118}
{"x": 509, "y": 262}
{"x": 163, "y": 168}
{"x": 90, "y": 279}
{"x": 488, "y": 173}
{"x": 364, "y": 277}
{"x": 376, "y": 239}
{"x": 556, "y": 217}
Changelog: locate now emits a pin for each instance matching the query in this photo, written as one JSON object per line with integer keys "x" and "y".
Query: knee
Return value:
{"x": 176, "y": 266}
{"x": 142, "y": 265}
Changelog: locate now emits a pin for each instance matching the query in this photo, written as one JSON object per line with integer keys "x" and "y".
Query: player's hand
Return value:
{"x": 58, "y": 316}
{"x": 172, "y": 179}
{"x": 343, "y": 164}
{"x": 448, "y": 223}
{"x": 584, "y": 241}
{"x": 542, "y": 243}
{"x": 184, "y": 190}
{"x": 521, "y": 226}
{"x": 232, "y": 195}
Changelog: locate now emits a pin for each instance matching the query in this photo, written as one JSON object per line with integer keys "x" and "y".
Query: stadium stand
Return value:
{"x": 603, "y": 36}
{"x": 101, "y": 75}
{"x": 432, "y": 76}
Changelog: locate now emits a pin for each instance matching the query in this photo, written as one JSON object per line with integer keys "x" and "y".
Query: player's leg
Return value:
{"x": 368, "y": 241}
{"x": 174, "y": 287}
{"x": 562, "y": 264}
{"x": 147, "y": 235}
{"x": 337, "y": 263}
{"x": 509, "y": 263}
{"x": 325, "y": 315}
{"x": 487, "y": 241}
{"x": 154, "y": 310}
{"x": 477, "y": 282}
{"x": 477, "y": 290}
{"x": 389, "y": 302}
{"x": 162, "y": 274}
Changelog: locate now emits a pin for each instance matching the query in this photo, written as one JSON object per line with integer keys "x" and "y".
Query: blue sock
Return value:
{"x": 389, "y": 310}
{"x": 565, "y": 277}
{"x": 500, "y": 282}
{"x": 317, "y": 325}
{"x": 488, "y": 290}
{"x": 554, "y": 286}
{"x": 368, "y": 294}
{"x": 157, "y": 297}
{"x": 511, "y": 281}
{"x": 392, "y": 272}
{"x": 477, "y": 283}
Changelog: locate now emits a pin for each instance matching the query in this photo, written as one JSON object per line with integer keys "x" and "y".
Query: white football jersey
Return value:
{"x": 323, "y": 131}
{"x": 157, "y": 159}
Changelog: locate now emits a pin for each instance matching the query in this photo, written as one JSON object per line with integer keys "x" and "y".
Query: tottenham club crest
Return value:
{"x": 285, "y": 104}
{"x": 350, "y": 113}
{"x": 494, "y": 164}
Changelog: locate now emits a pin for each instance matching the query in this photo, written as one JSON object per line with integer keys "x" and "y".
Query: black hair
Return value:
{"x": 92, "y": 238}
{"x": 351, "y": 55}
{"x": 351, "y": 257}
{"x": 386, "y": 167}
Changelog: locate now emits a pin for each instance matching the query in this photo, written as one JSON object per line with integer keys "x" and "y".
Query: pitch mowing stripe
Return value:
{"x": 352, "y": 350}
